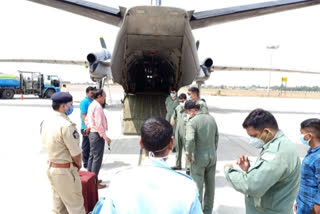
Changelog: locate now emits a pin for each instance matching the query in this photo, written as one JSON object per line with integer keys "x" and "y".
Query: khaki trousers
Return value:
{"x": 67, "y": 190}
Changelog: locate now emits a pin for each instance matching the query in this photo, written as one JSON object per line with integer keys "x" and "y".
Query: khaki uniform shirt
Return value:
{"x": 272, "y": 182}
{"x": 60, "y": 138}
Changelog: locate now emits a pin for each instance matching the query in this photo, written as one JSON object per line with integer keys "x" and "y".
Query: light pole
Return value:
{"x": 272, "y": 48}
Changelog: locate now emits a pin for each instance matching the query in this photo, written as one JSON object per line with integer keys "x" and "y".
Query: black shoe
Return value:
{"x": 176, "y": 168}
{"x": 188, "y": 172}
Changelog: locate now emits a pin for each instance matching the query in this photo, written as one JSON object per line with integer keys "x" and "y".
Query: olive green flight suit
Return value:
{"x": 180, "y": 117}
{"x": 170, "y": 106}
{"x": 201, "y": 146}
{"x": 203, "y": 106}
{"x": 271, "y": 184}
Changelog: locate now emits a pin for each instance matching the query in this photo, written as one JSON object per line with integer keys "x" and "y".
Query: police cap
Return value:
{"x": 61, "y": 97}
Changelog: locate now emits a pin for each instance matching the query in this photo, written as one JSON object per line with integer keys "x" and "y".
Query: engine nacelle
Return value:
{"x": 205, "y": 69}
{"x": 100, "y": 65}
{"x": 100, "y": 56}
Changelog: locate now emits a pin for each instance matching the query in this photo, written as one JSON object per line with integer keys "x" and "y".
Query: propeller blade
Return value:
{"x": 197, "y": 44}
{"x": 103, "y": 44}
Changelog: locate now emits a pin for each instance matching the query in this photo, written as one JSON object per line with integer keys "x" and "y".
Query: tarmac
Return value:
{"x": 23, "y": 181}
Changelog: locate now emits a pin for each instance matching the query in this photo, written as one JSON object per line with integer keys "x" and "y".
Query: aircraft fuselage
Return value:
{"x": 154, "y": 50}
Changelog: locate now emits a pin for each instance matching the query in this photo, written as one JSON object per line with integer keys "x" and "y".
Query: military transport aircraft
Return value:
{"x": 155, "y": 49}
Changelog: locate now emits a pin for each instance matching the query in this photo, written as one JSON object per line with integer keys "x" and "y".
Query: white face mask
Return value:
{"x": 188, "y": 116}
{"x": 182, "y": 104}
{"x": 256, "y": 142}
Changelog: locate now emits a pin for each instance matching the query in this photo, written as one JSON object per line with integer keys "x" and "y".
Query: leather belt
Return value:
{"x": 60, "y": 165}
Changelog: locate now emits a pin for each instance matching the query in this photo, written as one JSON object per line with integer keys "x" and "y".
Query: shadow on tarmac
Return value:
{"x": 115, "y": 164}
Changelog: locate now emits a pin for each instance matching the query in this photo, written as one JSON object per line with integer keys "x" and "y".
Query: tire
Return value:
{"x": 8, "y": 94}
{"x": 49, "y": 93}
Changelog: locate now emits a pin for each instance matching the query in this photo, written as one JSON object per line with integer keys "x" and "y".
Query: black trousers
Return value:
{"x": 96, "y": 152}
{"x": 85, "y": 149}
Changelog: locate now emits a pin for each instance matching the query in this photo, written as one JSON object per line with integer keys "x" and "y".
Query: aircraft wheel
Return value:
{"x": 49, "y": 93}
{"x": 8, "y": 94}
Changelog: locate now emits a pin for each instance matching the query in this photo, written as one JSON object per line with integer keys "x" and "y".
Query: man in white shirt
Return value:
{"x": 153, "y": 187}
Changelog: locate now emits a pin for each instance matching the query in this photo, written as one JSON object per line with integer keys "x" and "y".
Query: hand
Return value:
{"x": 243, "y": 163}
{"x": 229, "y": 165}
{"x": 295, "y": 207}
{"x": 187, "y": 160}
{"x": 108, "y": 140}
{"x": 86, "y": 131}
{"x": 316, "y": 209}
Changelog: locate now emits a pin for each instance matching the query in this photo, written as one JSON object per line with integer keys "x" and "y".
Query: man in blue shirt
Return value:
{"x": 153, "y": 187}
{"x": 308, "y": 199}
{"x": 84, "y": 105}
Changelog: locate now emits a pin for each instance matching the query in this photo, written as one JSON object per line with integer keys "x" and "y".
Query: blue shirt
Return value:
{"x": 152, "y": 188}
{"x": 309, "y": 193}
{"x": 84, "y": 105}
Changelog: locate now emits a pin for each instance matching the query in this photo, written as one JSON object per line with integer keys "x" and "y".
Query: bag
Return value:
{"x": 89, "y": 183}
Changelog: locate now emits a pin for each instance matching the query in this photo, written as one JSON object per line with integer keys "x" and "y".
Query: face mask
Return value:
{"x": 188, "y": 116}
{"x": 104, "y": 104}
{"x": 182, "y": 104}
{"x": 305, "y": 142}
{"x": 256, "y": 142}
{"x": 172, "y": 95}
{"x": 68, "y": 112}
{"x": 188, "y": 97}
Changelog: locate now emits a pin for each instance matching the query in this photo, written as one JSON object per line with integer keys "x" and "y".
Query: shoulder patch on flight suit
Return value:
{"x": 268, "y": 156}
{"x": 75, "y": 134}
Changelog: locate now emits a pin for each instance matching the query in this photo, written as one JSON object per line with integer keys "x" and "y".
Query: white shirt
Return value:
{"x": 152, "y": 188}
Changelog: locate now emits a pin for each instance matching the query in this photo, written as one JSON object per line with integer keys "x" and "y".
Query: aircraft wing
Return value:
{"x": 47, "y": 61}
{"x": 91, "y": 10}
{"x": 234, "y": 68}
{"x": 218, "y": 16}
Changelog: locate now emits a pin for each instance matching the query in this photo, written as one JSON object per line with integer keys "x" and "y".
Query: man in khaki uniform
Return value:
{"x": 61, "y": 140}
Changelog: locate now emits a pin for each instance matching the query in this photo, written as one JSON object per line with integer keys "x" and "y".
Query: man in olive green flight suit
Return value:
{"x": 172, "y": 102}
{"x": 179, "y": 119}
{"x": 271, "y": 184}
{"x": 201, "y": 146}
{"x": 194, "y": 95}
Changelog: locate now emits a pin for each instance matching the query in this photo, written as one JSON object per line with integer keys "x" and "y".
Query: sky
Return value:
{"x": 30, "y": 30}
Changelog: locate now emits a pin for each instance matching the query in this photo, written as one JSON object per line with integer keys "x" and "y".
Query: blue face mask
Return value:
{"x": 68, "y": 112}
{"x": 305, "y": 142}
{"x": 172, "y": 94}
